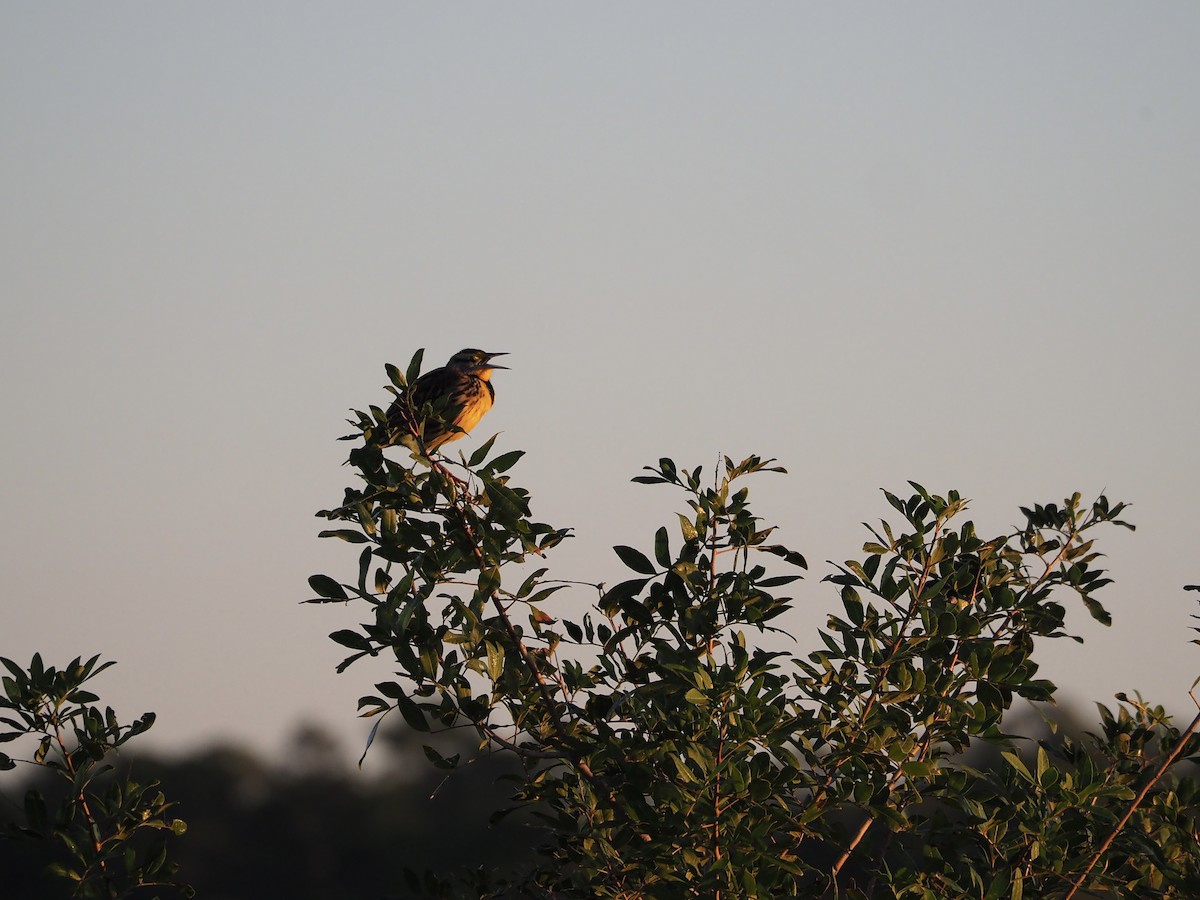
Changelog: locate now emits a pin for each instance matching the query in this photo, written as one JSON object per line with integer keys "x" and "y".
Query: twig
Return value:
{"x": 544, "y": 690}
{"x": 517, "y": 748}
{"x": 93, "y": 826}
{"x": 1141, "y": 795}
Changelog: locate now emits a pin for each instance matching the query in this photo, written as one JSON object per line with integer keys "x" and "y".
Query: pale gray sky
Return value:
{"x": 952, "y": 243}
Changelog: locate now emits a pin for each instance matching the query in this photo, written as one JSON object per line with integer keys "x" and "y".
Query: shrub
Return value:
{"x": 669, "y": 756}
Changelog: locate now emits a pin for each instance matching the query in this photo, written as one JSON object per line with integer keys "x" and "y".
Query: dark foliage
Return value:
{"x": 674, "y": 753}
{"x": 307, "y": 827}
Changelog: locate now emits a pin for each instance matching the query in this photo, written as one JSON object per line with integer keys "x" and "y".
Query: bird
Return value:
{"x": 459, "y": 394}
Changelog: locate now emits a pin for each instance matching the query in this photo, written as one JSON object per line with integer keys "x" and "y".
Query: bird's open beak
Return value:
{"x": 492, "y": 356}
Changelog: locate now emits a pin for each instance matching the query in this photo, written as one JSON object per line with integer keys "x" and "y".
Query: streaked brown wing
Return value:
{"x": 434, "y": 384}
{"x": 435, "y": 388}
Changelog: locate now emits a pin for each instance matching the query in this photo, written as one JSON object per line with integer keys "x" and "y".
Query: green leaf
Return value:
{"x": 853, "y": 605}
{"x": 349, "y": 535}
{"x": 414, "y": 367}
{"x": 635, "y": 560}
{"x": 1001, "y": 881}
{"x": 489, "y": 581}
{"x": 790, "y": 556}
{"x": 481, "y": 453}
{"x": 61, "y": 871}
{"x": 530, "y": 582}
{"x": 439, "y": 761}
{"x": 370, "y": 740}
{"x": 502, "y": 463}
{"x": 1098, "y": 612}
{"x": 390, "y": 689}
{"x": 351, "y": 639}
{"x": 612, "y": 599}
{"x": 541, "y": 595}
{"x": 687, "y": 528}
{"x": 412, "y": 714}
{"x": 636, "y": 611}
{"x": 505, "y": 501}
{"x": 17, "y": 671}
{"x": 1016, "y": 762}
{"x": 648, "y": 479}
{"x": 324, "y": 586}
{"x": 495, "y": 660}
{"x": 915, "y": 770}
{"x": 662, "y": 549}
{"x": 778, "y": 581}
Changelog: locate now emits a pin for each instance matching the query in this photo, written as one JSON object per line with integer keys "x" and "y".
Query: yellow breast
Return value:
{"x": 473, "y": 410}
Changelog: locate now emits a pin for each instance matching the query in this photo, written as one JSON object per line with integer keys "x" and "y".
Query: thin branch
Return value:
{"x": 1134, "y": 804}
{"x": 493, "y": 735}
{"x": 543, "y": 687}
{"x": 93, "y": 826}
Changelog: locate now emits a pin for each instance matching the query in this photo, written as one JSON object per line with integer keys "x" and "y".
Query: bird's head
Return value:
{"x": 477, "y": 362}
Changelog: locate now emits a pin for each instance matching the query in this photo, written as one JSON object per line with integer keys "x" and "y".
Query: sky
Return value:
{"x": 952, "y": 243}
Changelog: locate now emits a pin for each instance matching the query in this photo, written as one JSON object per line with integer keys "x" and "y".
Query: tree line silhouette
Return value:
{"x": 308, "y": 825}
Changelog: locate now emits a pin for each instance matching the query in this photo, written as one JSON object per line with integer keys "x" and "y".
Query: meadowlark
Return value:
{"x": 459, "y": 394}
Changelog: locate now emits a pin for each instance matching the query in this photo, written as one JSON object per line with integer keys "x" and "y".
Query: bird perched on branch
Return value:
{"x": 458, "y": 394}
